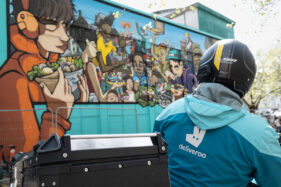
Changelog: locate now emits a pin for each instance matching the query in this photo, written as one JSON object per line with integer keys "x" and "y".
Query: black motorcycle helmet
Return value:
{"x": 228, "y": 62}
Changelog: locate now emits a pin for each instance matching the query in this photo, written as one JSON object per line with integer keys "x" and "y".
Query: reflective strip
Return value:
{"x": 218, "y": 56}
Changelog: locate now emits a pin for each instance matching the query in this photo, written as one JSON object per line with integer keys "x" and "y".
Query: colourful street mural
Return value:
{"x": 68, "y": 51}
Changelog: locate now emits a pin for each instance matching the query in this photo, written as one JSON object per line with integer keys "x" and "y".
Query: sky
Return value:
{"x": 256, "y": 31}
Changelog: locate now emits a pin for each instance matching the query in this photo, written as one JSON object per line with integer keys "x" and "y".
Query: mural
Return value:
{"x": 64, "y": 52}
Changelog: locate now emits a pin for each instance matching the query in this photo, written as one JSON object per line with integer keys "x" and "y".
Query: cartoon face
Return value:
{"x": 112, "y": 74}
{"x": 54, "y": 37}
{"x": 176, "y": 67}
{"x": 139, "y": 65}
{"x": 112, "y": 77}
{"x": 106, "y": 30}
{"x": 112, "y": 97}
{"x": 129, "y": 84}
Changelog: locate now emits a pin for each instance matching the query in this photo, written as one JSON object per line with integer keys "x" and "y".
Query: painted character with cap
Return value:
{"x": 212, "y": 139}
{"x": 178, "y": 74}
{"x": 39, "y": 36}
{"x": 139, "y": 67}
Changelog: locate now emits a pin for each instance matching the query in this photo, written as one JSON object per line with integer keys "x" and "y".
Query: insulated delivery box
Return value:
{"x": 94, "y": 160}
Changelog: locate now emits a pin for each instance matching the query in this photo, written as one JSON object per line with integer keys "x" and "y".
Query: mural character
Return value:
{"x": 127, "y": 34}
{"x": 37, "y": 41}
{"x": 191, "y": 53}
{"x": 91, "y": 71}
{"x": 102, "y": 56}
{"x": 160, "y": 56}
{"x": 186, "y": 45}
{"x": 196, "y": 55}
{"x": 105, "y": 45}
{"x": 179, "y": 76}
{"x": 146, "y": 39}
{"x": 112, "y": 97}
{"x": 139, "y": 66}
{"x": 153, "y": 79}
{"x": 95, "y": 83}
{"x": 120, "y": 82}
{"x": 115, "y": 79}
{"x": 128, "y": 89}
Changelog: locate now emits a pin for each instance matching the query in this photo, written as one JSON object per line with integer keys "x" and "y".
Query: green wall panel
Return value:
{"x": 214, "y": 23}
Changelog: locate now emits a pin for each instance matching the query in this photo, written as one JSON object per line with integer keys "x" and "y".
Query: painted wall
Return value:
{"x": 117, "y": 67}
{"x": 3, "y": 32}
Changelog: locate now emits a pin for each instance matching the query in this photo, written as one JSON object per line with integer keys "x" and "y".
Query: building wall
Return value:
{"x": 115, "y": 55}
{"x": 180, "y": 19}
{"x": 212, "y": 22}
{"x": 200, "y": 17}
{"x": 191, "y": 18}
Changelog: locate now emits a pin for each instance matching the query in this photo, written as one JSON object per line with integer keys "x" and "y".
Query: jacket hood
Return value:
{"x": 213, "y": 106}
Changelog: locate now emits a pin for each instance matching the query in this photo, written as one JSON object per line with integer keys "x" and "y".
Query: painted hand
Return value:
{"x": 61, "y": 97}
{"x": 170, "y": 75}
{"x": 177, "y": 92}
{"x": 84, "y": 89}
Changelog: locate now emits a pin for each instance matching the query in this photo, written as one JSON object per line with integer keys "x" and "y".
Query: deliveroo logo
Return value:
{"x": 196, "y": 138}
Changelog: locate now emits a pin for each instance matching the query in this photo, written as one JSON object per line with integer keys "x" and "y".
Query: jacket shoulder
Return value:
{"x": 174, "y": 108}
{"x": 259, "y": 133}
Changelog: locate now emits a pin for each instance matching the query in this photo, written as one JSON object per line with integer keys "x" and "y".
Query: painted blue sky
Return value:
{"x": 91, "y": 8}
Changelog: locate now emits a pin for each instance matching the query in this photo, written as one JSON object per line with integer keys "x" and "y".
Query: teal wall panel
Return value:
{"x": 3, "y": 32}
{"x": 110, "y": 118}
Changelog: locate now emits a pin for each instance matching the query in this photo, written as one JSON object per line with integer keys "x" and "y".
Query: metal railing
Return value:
{"x": 55, "y": 122}
{"x": 28, "y": 110}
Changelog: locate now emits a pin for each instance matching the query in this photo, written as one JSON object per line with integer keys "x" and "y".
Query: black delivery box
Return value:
{"x": 94, "y": 160}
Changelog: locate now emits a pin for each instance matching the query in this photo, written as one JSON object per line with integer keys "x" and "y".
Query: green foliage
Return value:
{"x": 168, "y": 87}
{"x": 78, "y": 63}
{"x": 54, "y": 66}
{"x": 268, "y": 77}
{"x": 144, "y": 98}
{"x": 59, "y": 61}
{"x": 30, "y": 75}
{"x": 37, "y": 72}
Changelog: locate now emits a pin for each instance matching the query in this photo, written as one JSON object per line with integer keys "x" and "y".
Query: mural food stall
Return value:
{"x": 89, "y": 67}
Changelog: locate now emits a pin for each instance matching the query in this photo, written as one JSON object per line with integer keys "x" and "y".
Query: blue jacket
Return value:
{"x": 213, "y": 141}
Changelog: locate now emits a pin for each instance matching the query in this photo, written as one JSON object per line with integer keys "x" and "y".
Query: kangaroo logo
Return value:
{"x": 196, "y": 138}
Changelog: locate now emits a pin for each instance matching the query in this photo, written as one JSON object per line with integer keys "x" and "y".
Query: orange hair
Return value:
{"x": 124, "y": 24}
